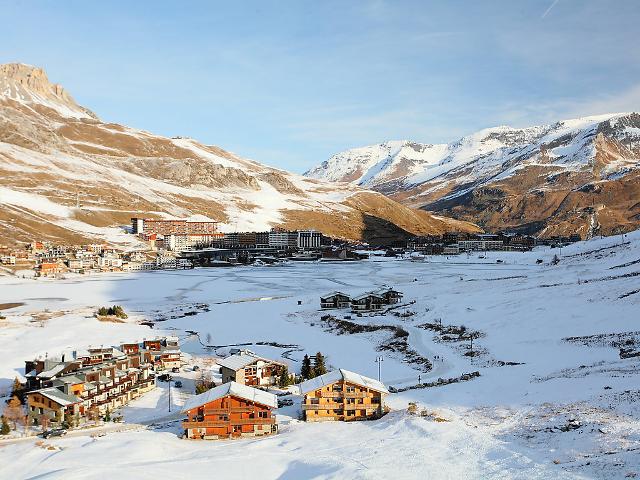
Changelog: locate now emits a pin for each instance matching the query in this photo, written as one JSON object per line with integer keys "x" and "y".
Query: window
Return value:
{"x": 351, "y": 389}
{"x": 337, "y": 387}
{"x": 263, "y": 414}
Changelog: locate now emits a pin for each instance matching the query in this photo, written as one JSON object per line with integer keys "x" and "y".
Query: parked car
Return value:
{"x": 165, "y": 377}
{"x": 285, "y": 402}
{"x": 54, "y": 432}
{"x": 196, "y": 368}
{"x": 178, "y": 384}
{"x": 175, "y": 370}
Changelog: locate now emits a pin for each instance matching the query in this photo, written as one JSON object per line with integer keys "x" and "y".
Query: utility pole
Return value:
{"x": 379, "y": 361}
{"x": 169, "y": 395}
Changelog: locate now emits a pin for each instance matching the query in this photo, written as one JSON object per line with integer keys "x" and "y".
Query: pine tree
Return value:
{"x": 5, "y": 429}
{"x": 319, "y": 368}
{"x": 305, "y": 370}
{"x": 285, "y": 380}
{"x": 107, "y": 415}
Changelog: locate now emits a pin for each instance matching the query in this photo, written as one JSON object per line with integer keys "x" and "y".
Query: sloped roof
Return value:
{"x": 365, "y": 295}
{"x": 332, "y": 294}
{"x": 383, "y": 290}
{"x": 235, "y": 389}
{"x": 241, "y": 360}
{"x": 59, "y": 396}
{"x": 56, "y": 369}
{"x": 341, "y": 374}
{"x": 71, "y": 379}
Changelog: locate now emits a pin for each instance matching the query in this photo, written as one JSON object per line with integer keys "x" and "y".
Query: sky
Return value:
{"x": 289, "y": 83}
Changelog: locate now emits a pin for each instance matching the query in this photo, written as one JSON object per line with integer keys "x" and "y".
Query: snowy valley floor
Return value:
{"x": 553, "y": 399}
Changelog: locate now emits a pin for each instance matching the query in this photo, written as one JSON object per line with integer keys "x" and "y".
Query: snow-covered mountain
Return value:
{"x": 66, "y": 175}
{"x": 579, "y": 174}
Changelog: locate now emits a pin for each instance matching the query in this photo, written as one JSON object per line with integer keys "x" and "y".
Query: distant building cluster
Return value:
{"x": 453, "y": 243}
{"x": 79, "y": 384}
{"x": 182, "y": 234}
{"x": 364, "y": 302}
{"x": 50, "y": 260}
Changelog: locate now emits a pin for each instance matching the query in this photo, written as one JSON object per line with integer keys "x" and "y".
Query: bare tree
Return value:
{"x": 14, "y": 412}
{"x": 44, "y": 422}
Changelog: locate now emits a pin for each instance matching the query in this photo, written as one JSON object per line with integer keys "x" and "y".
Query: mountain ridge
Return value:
{"x": 517, "y": 165}
{"x": 66, "y": 176}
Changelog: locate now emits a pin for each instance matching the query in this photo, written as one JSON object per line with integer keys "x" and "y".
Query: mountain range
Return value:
{"x": 574, "y": 176}
{"x": 69, "y": 177}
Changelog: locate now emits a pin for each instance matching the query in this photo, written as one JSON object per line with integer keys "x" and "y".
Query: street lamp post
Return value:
{"x": 169, "y": 395}
{"x": 379, "y": 361}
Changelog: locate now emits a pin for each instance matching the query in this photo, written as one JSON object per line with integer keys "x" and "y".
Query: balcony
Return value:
{"x": 220, "y": 423}
{"x": 340, "y": 406}
{"x": 227, "y": 411}
{"x": 342, "y": 394}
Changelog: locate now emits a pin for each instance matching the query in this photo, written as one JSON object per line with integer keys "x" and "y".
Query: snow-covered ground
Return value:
{"x": 546, "y": 404}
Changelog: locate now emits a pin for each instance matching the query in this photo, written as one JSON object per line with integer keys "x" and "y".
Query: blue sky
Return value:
{"x": 289, "y": 83}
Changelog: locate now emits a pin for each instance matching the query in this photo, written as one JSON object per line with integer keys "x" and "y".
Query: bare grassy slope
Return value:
{"x": 67, "y": 176}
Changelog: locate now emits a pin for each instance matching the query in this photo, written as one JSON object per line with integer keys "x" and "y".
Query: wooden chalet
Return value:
{"x": 367, "y": 302}
{"x": 52, "y": 404}
{"x": 342, "y": 395}
{"x": 389, "y": 295}
{"x": 335, "y": 300}
{"x": 230, "y": 410}
{"x": 248, "y": 368}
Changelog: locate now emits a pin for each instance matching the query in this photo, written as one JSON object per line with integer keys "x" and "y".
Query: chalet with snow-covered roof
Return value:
{"x": 367, "y": 302}
{"x": 247, "y": 368}
{"x": 335, "y": 300}
{"x": 342, "y": 395}
{"x": 52, "y": 404}
{"x": 230, "y": 410}
{"x": 389, "y": 295}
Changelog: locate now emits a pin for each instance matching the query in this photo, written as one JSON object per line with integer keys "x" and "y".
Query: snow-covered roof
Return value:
{"x": 234, "y": 389}
{"x": 333, "y": 294}
{"x": 59, "y": 396}
{"x": 241, "y": 360}
{"x": 365, "y": 295}
{"x": 383, "y": 290}
{"x": 71, "y": 379}
{"x": 51, "y": 372}
{"x": 338, "y": 375}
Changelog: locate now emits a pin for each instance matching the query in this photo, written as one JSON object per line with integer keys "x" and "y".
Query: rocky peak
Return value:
{"x": 30, "y": 85}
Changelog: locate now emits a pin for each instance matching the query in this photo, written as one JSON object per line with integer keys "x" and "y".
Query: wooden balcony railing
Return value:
{"x": 220, "y": 423}
{"x": 227, "y": 411}
{"x": 340, "y": 406}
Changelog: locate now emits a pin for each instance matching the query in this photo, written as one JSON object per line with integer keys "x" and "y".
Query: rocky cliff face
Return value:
{"x": 67, "y": 176}
{"x": 578, "y": 175}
